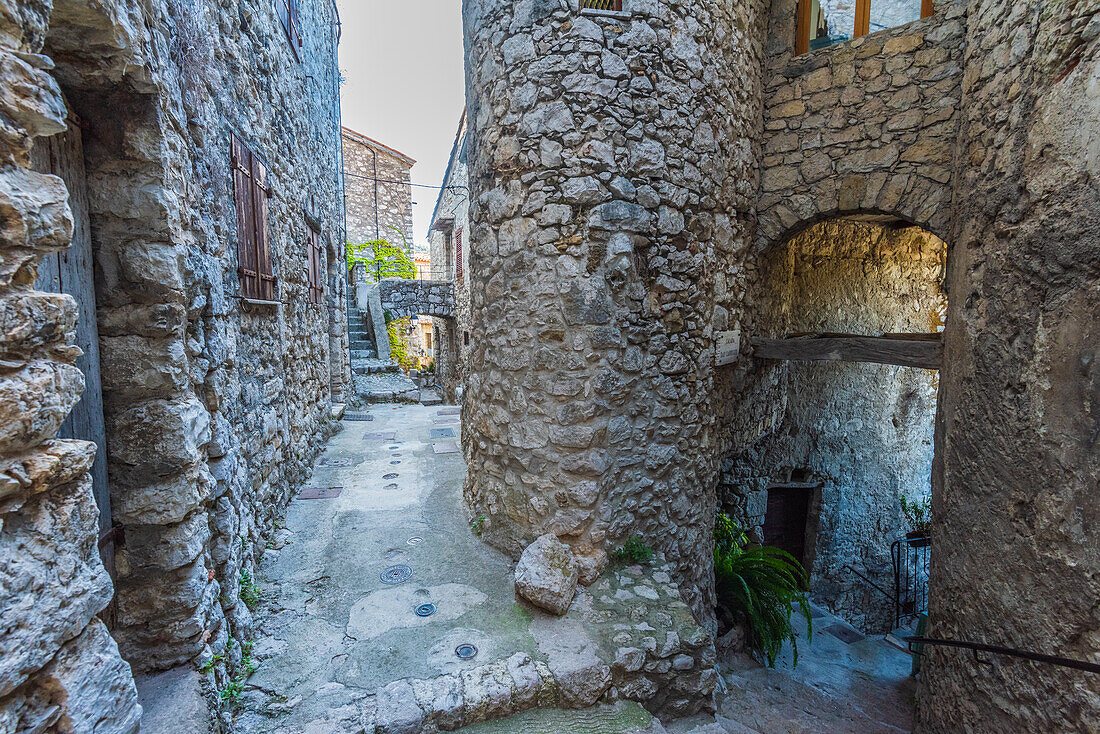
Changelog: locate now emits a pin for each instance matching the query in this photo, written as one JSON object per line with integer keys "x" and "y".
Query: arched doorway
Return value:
{"x": 834, "y": 434}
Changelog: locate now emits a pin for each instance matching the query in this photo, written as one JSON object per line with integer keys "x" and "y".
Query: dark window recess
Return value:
{"x": 616, "y": 5}
{"x": 465, "y": 338}
{"x": 250, "y": 192}
{"x": 458, "y": 254}
{"x": 317, "y": 266}
{"x": 288, "y": 16}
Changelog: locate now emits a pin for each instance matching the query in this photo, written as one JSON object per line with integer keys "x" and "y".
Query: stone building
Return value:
{"x": 173, "y": 251}
{"x": 663, "y": 194}
{"x": 450, "y": 252}
{"x": 378, "y": 193}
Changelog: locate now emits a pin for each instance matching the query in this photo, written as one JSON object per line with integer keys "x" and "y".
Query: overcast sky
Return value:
{"x": 402, "y": 64}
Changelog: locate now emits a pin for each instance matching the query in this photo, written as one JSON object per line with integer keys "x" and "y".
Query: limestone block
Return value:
{"x": 53, "y": 579}
{"x": 157, "y": 439}
{"x": 582, "y": 678}
{"x": 167, "y": 546}
{"x": 136, "y": 367}
{"x": 36, "y": 400}
{"x": 49, "y": 465}
{"x": 165, "y": 501}
{"x": 30, "y": 320}
{"x": 547, "y": 574}
{"x": 397, "y": 711}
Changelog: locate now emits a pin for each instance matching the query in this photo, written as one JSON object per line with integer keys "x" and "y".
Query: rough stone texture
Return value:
{"x": 864, "y": 430}
{"x": 611, "y": 177}
{"x": 403, "y": 297}
{"x": 1016, "y": 558}
{"x": 391, "y": 219}
{"x": 450, "y": 222}
{"x": 867, "y": 126}
{"x": 546, "y": 574}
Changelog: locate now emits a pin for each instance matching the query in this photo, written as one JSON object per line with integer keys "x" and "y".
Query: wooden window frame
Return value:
{"x": 255, "y": 268}
{"x": 316, "y": 264}
{"x": 616, "y": 6}
{"x": 458, "y": 255}
{"x": 287, "y": 10}
{"x": 862, "y": 21}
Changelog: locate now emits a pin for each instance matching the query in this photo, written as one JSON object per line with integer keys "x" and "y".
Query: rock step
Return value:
{"x": 623, "y": 717}
{"x": 362, "y": 352}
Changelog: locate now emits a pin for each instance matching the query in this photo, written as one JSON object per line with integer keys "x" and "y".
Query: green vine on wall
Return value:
{"x": 381, "y": 260}
{"x": 399, "y": 351}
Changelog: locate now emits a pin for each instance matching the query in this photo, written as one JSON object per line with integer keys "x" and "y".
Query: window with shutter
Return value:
{"x": 458, "y": 254}
{"x": 288, "y": 16}
{"x": 317, "y": 269}
{"x": 250, "y": 193}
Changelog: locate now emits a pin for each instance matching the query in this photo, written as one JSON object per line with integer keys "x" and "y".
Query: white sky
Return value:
{"x": 402, "y": 62}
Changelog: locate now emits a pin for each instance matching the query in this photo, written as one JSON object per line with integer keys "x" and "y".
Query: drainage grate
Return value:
{"x": 414, "y": 540}
{"x": 358, "y": 417}
{"x": 391, "y": 475}
{"x": 466, "y": 652}
{"x": 425, "y": 610}
{"x": 383, "y": 436}
{"x": 441, "y": 433}
{"x": 328, "y": 461}
{"x": 394, "y": 448}
{"x": 450, "y": 411}
{"x": 844, "y": 633}
{"x": 445, "y": 447}
{"x": 396, "y": 574}
{"x": 390, "y": 487}
{"x": 320, "y": 493}
{"x": 395, "y": 463}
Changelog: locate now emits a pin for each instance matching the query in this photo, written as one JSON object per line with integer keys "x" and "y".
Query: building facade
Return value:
{"x": 666, "y": 198}
{"x": 378, "y": 194}
{"x": 172, "y": 288}
{"x": 451, "y": 259}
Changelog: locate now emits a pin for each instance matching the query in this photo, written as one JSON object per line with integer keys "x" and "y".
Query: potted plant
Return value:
{"x": 918, "y": 515}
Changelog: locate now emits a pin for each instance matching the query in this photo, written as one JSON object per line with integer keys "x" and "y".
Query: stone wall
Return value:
{"x": 863, "y": 430}
{"x": 868, "y": 125}
{"x": 205, "y": 443}
{"x": 452, "y": 214}
{"x": 365, "y": 160}
{"x": 404, "y": 298}
{"x": 611, "y": 175}
{"x": 1016, "y": 556}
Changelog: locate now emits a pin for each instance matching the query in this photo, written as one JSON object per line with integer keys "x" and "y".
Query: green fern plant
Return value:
{"x": 763, "y": 582}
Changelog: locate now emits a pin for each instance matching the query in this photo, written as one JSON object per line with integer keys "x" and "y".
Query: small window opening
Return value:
{"x": 288, "y": 16}
{"x": 465, "y": 338}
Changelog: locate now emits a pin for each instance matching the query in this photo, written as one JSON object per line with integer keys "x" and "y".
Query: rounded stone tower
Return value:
{"x": 612, "y": 180}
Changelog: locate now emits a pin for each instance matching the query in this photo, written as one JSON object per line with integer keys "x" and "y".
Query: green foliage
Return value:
{"x": 250, "y": 593}
{"x": 399, "y": 351}
{"x": 763, "y": 582}
{"x": 918, "y": 514}
{"x": 478, "y": 524}
{"x": 212, "y": 663}
{"x": 231, "y": 694}
{"x": 634, "y": 550}
{"x": 381, "y": 260}
{"x": 431, "y": 367}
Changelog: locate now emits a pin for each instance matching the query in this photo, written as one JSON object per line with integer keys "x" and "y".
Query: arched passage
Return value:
{"x": 834, "y": 431}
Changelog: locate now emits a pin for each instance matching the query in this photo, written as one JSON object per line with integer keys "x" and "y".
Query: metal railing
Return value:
{"x": 977, "y": 647}
{"x": 910, "y": 560}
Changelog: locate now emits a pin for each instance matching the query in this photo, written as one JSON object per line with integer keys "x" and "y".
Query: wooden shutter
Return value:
{"x": 458, "y": 254}
{"x": 317, "y": 269}
{"x": 260, "y": 193}
{"x": 288, "y": 16}
{"x": 243, "y": 192}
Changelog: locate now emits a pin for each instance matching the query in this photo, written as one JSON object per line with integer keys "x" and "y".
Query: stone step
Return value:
{"x": 622, "y": 717}
{"x": 363, "y": 353}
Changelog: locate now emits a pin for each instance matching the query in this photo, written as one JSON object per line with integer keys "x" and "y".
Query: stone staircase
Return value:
{"x": 376, "y": 380}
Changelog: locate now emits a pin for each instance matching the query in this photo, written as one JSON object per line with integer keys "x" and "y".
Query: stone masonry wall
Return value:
{"x": 404, "y": 298}
{"x": 1016, "y": 559}
{"x": 868, "y": 125}
{"x": 612, "y": 170}
{"x": 863, "y": 430}
{"x": 204, "y": 440}
{"x": 365, "y": 160}
{"x": 59, "y": 668}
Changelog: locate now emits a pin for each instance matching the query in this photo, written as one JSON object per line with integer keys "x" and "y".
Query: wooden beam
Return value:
{"x": 802, "y": 37}
{"x": 905, "y": 350}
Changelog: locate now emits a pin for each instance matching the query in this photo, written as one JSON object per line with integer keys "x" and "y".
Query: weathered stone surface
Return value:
{"x": 547, "y": 574}
{"x": 397, "y": 711}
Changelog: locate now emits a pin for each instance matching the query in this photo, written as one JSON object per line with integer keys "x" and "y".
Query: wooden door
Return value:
{"x": 71, "y": 272}
{"x": 785, "y": 521}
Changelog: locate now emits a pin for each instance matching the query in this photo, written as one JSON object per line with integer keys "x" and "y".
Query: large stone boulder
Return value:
{"x": 547, "y": 575}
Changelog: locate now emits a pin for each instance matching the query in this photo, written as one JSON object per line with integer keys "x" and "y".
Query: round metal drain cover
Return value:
{"x": 390, "y": 487}
{"x": 390, "y": 476}
{"x": 466, "y": 652}
{"x": 394, "y": 448}
{"x": 395, "y": 462}
{"x": 396, "y": 574}
{"x": 397, "y": 454}
{"x": 414, "y": 540}
{"x": 425, "y": 610}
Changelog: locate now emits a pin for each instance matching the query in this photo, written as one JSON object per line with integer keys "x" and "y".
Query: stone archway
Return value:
{"x": 849, "y": 422}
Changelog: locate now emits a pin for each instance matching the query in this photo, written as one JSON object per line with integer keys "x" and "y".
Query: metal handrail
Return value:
{"x": 977, "y": 647}
{"x": 884, "y": 592}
